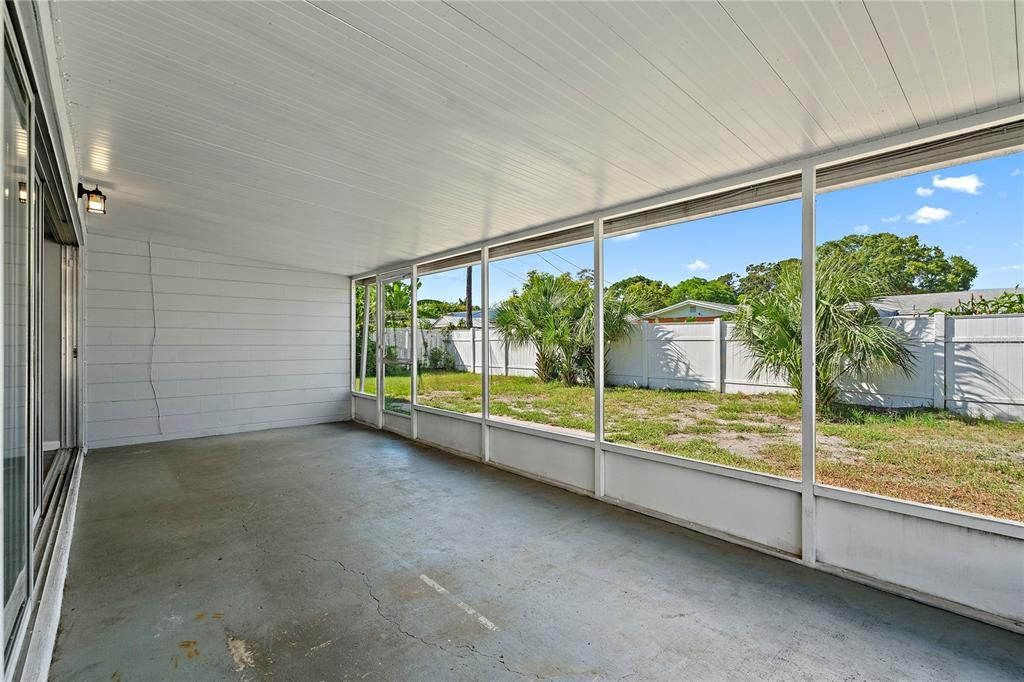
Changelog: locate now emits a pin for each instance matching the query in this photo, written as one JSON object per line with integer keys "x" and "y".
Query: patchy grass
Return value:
{"x": 928, "y": 456}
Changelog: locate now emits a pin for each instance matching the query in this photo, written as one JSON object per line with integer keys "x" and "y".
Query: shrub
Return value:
{"x": 852, "y": 339}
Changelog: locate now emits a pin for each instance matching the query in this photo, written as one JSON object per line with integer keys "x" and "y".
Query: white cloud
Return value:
{"x": 965, "y": 183}
{"x": 928, "y": 214}
{"x": 697, "y": 265}
{"x": 861, "y": 229}
{"x": 1016, "y": 172}
{"x": 627, "y": 237}
{"x": 1007, "y": 268}
{"x": 924, "y": 192}
{"x": 891, "y": 219}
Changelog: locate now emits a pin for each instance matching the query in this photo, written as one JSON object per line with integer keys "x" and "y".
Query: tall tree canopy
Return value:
{"x": 650, "y": 294}
{"x": 897, "y": 265}
{"x": 763, "y": 277}
{"x": 903, "y": 264}
{"x": 699, "y": 289}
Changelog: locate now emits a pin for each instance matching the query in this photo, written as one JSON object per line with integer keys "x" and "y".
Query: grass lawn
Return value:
{"x": 928, "y": 456}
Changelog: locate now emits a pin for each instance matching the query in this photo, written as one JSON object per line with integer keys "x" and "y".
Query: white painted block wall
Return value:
{"x": 183, "y": 343}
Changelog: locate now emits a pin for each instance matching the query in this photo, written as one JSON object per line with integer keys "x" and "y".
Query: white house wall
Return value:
{"x": 183, "y": 343}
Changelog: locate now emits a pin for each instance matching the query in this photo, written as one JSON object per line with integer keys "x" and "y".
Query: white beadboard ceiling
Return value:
{"x": 347, "y": 136}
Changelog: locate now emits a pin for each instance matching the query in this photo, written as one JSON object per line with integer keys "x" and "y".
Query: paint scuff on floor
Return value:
{"x": 240, "y": 653}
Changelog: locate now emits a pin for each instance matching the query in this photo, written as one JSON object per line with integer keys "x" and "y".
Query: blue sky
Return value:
{"x": 974, "y": 210}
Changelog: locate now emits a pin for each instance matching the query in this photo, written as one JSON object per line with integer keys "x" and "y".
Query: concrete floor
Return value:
{"x": 336, "y": 552}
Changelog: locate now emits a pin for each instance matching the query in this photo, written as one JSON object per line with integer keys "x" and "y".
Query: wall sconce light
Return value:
{"x": 95, "y": 200}
{"x": 23, "y": 192}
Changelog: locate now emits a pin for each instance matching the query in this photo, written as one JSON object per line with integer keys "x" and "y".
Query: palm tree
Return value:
{"x": 555, "y": 313}
{"x": 852, "y": 340}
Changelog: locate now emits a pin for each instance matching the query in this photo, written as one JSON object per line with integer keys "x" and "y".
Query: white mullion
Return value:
{"x": 379, "y": 374}
{"x": 807, "y": 364}
{"x": 353, "y": 336}
{"x": 485, "y": 348}
{"x": 414, "y": 352}
{"x": 598, "y": 356}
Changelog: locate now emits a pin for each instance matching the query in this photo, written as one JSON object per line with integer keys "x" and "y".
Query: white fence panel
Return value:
{"x": 682, "y": 356}
{"x": 738, "y": 365}
{"x": 985, "y": 366}
{"x": 399, "y": 339}
{"x": 894, "y": 389}
{"x": 465, "y": 347}
{"x": 973, "y": 365}
{"x": 626, "y": 363}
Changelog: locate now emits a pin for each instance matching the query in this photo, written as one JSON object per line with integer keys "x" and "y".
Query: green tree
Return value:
{"x": 430, "y": 308}
{"x": 555, "y": 313}
{"x": 851, "y": 339}
{"x": 899, "y": 265}
{"x": 762, "y": 277}
{"x": 397, "y": 304}
{"x": 699, "y": 289}
{"x": 903, "y": 264}
{"x": 649, "y": 294}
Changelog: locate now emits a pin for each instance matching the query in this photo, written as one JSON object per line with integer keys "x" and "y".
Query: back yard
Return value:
{"x": 928, "y": 456}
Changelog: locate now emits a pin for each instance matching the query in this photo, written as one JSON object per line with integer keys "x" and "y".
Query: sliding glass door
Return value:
{"x": 18, "y": 269}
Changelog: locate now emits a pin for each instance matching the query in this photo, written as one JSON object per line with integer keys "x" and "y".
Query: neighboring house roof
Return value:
{"x": 911, "y": 304}
{"x": 458, "y": 319}
{"x": 723, "y": 308}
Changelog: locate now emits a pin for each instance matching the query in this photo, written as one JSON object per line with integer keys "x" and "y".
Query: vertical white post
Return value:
{"x": 645, "y": 329}
{"x": 485, "y": 348}
{"x": 718, "y": 369}
{"x": 939, "y": 361}
{"x": 379, "y": 373}
{"x": 352, "y": 336}
{"x": 598, "y": 356}
{"x": 366, "y": 337}
{"x": 807, "y": 363}
{"x": 414, "y": 352}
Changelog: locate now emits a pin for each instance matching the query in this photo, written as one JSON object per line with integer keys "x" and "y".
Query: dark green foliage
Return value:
{"x": 852, "y": 340}
{"x": 1008, "y": 302}
{"x": 555, "y": 313}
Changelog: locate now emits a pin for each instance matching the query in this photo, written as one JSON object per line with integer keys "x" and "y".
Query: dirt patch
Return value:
{"x": 747, "y": 438}
{"x": 746, "y": 444}
{"x": 437, "y": 394}
{"x": 694, "y": 413}
{"x": 836, "y": 449}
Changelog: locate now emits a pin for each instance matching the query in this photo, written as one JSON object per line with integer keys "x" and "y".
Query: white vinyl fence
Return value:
{"x": 972, "y": 365}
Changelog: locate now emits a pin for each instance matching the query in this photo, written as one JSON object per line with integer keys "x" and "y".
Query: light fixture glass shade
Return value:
{"x": 95, "y": 202}
{"x": 23, "y": 192}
